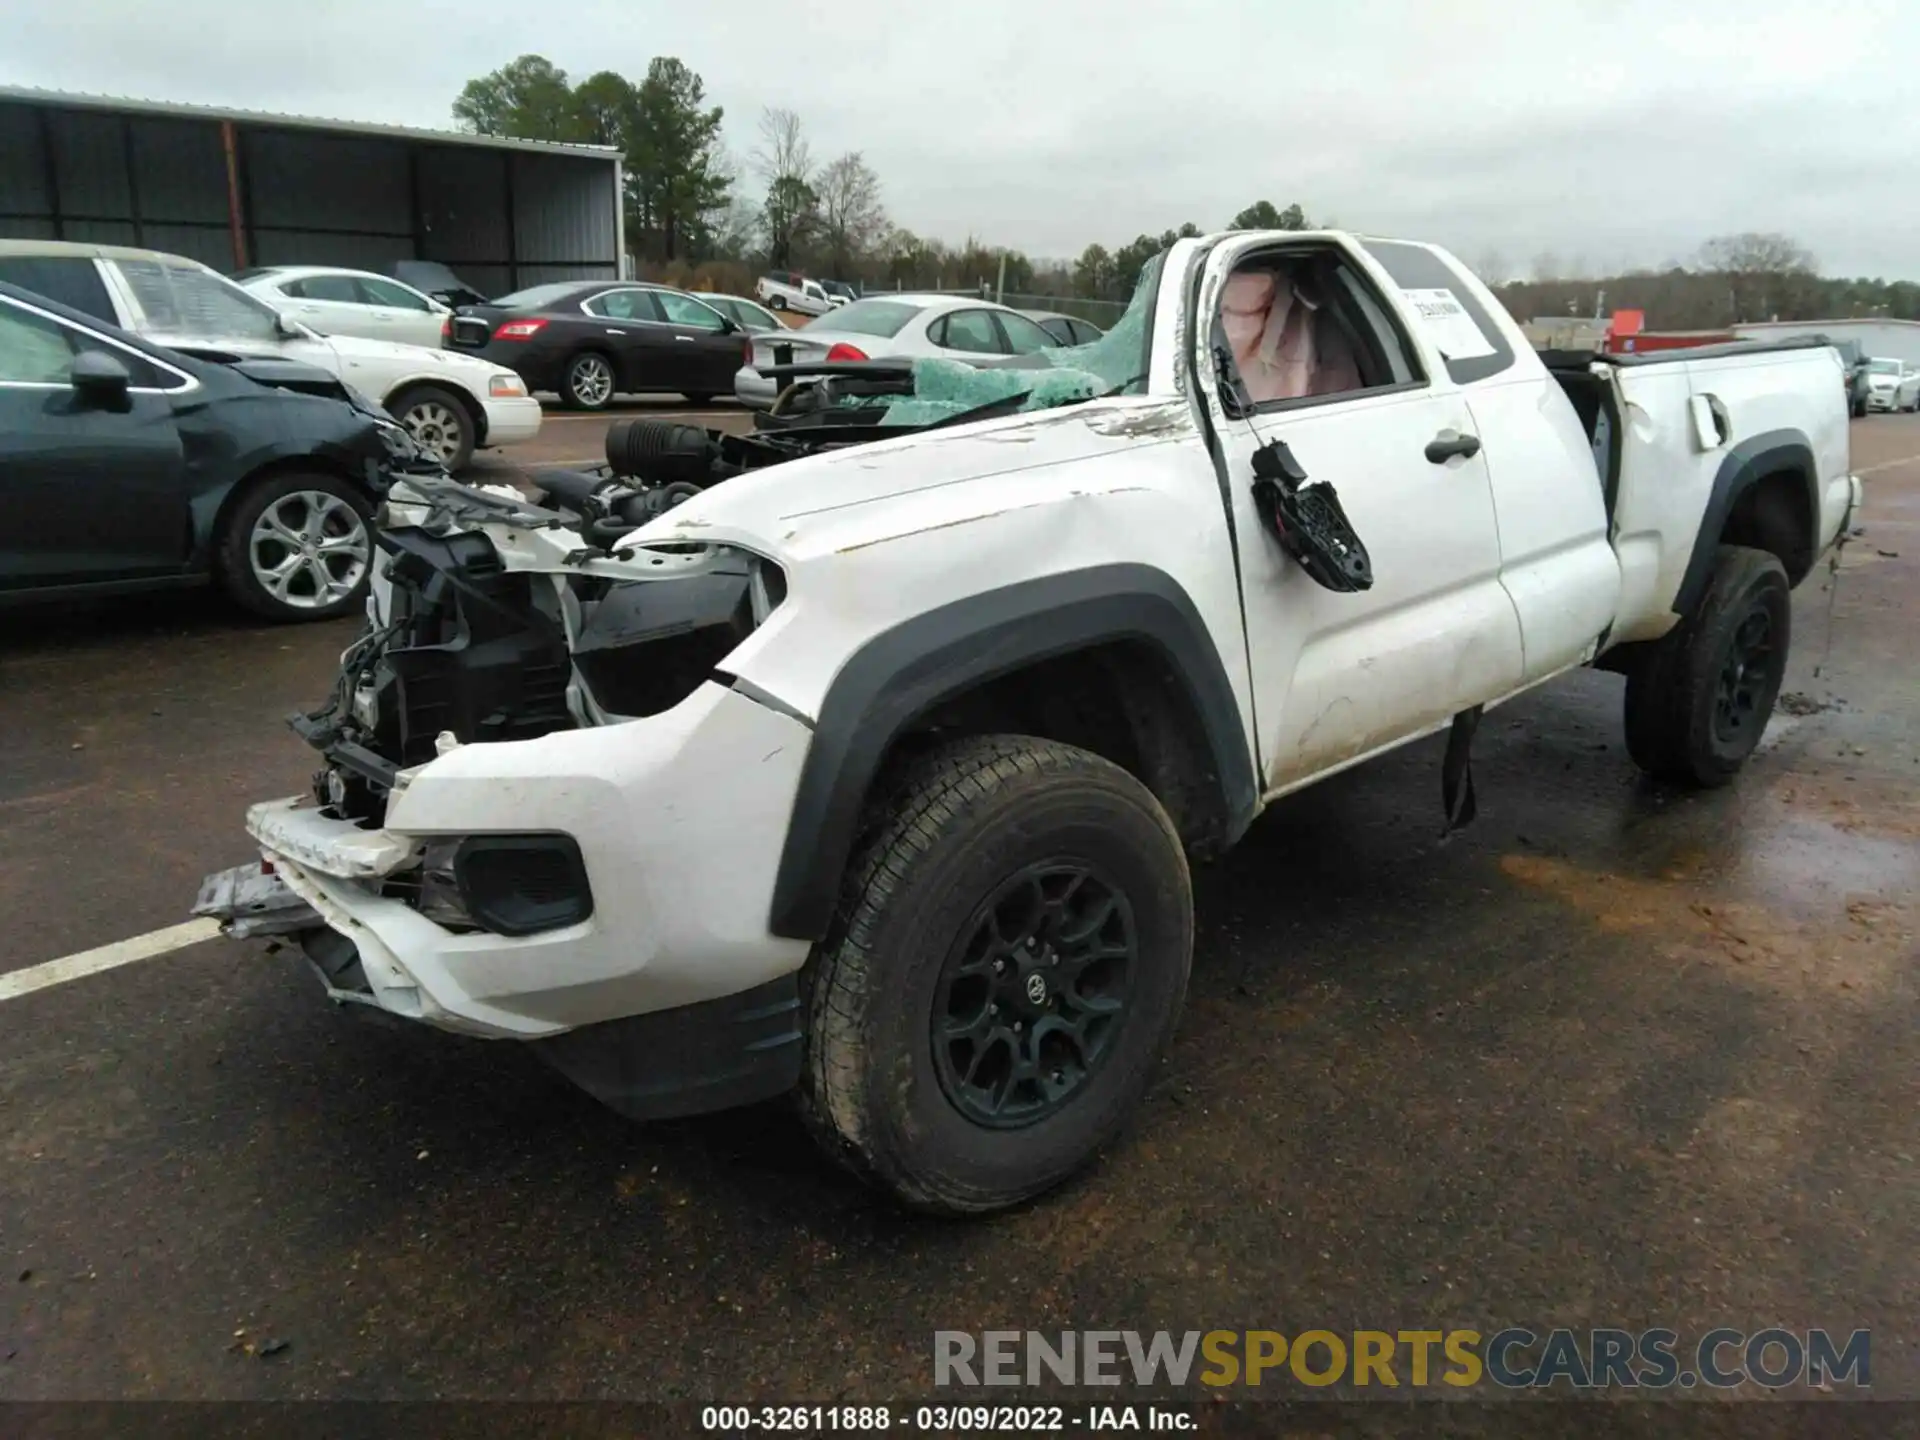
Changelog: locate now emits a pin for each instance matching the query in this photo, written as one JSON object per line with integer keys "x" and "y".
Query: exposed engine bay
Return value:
{"x": 495, "y": 617}
{"x": 473, "y": 639}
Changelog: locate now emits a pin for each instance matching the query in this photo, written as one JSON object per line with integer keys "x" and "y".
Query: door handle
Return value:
{"x": 684, "y": 339}
{"x": 1451, "y": 443}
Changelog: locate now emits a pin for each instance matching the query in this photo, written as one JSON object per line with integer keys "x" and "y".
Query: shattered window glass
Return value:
{"x": 1114, "y": 364}
{"x": 186, "y": 300}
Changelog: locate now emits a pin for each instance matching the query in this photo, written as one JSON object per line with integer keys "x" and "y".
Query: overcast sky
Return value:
{"x": 1601, "y": 132}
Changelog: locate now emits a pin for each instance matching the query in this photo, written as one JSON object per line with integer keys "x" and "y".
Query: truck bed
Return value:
{"x": 1738, "y": 435}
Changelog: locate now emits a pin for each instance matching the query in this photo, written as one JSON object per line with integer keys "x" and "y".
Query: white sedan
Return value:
{"x": 1892, "y": 385}
{"x": 335, "y": 301}
{"x": 884, "y": 327}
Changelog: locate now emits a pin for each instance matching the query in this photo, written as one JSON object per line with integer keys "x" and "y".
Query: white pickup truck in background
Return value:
{"x": 871, "y": 768}
{"x": 785, "y": 290}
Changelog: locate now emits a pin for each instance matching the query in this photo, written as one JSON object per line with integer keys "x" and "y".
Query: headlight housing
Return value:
{"x": 506, "y": 386}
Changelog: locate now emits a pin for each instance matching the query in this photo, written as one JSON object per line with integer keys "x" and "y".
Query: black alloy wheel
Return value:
{"x": 1030, "y": 998}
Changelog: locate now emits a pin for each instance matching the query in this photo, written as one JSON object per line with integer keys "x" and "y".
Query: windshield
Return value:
{"x": 1883, "y": 367}
{"x": 883, "y": 318}
{"x": 187, "y": 301}
{"x": 1115, "y": 364}
{"x": 535, "y": 296}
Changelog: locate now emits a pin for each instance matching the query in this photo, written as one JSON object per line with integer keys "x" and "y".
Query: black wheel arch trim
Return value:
{"x": 902, "y": 673}
{"x": 1746, "y": 464}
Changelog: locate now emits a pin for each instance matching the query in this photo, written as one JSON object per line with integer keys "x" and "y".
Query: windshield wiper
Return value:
{"x": 1005, "y": 405}
{"x": 1110, "y": 390}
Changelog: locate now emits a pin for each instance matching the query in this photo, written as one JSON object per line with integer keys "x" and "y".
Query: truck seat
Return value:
{"x": 1281, "y": 339}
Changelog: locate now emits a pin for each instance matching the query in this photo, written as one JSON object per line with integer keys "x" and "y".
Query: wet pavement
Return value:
{"x": 1616, "y": 1055}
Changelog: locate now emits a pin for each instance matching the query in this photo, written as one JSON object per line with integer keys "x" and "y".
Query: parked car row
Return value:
{"x": 126, "y": 465}
{"x": 890, "y": 326}
{"x": 452, "y": 403}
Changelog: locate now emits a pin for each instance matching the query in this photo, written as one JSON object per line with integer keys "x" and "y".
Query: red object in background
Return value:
{"x": 1627, "y": 322}
{"x": 1665, "y": 340}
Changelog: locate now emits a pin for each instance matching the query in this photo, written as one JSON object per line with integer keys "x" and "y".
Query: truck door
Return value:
{"x": 1557, "y": 561}
{"x": 1338, "y": 675}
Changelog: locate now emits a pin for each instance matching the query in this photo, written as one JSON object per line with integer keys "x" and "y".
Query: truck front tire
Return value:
{"x": 1008, "y": 961}
{"x": 1697, "y": 704}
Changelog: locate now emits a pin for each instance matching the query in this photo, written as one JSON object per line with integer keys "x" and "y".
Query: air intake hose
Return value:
{"x": 661, "y": 452}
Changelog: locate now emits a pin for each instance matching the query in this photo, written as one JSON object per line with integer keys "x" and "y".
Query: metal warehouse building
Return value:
{"x": 234, "y": 188}
{"x": 1881, "y": 339}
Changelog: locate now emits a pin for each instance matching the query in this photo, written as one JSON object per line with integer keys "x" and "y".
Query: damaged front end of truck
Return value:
{"x": 462, "y": 895}
{"x": 533, "y": 758}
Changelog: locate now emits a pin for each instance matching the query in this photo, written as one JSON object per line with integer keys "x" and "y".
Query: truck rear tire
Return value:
{"x": 1008, "y": 961}
{"x": 1697, "y": 704}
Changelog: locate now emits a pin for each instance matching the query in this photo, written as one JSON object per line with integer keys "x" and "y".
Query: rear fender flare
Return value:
{"x": 1746, "y": 464}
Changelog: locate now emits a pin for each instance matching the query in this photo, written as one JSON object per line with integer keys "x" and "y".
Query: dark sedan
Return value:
{"x": 125, "y": 466}
{"x": 587, "y": 341}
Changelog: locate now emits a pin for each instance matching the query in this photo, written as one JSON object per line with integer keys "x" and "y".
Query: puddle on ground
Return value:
{"x": 1849, "y": 946}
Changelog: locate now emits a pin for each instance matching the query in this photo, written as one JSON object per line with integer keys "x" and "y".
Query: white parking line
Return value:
{"x": 108, "y": 957}
{"x": 1886, "y": 465}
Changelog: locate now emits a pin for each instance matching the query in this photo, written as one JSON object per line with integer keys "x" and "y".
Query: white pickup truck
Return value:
{"x": 871, "y": 768}
{"x": 785, "y": 290}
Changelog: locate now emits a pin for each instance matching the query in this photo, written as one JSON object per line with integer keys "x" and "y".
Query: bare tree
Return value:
{"x": 852, "y": 219}
{"x": 1492, "y": 267}
{"x": 1763, "y": 273}
{"x": 1546, "y": 267}
{"x": 783, "y": 152}
{"x": 785, "y": 161}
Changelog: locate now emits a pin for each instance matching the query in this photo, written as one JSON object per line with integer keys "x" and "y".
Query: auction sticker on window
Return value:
{"x": 1447, "y": 323}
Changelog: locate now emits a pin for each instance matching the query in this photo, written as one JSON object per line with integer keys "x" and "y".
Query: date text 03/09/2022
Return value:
{"x": 945, "y": 1419}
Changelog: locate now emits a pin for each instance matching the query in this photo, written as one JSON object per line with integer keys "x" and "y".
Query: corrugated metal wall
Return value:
{"x": 501, "y": 218}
